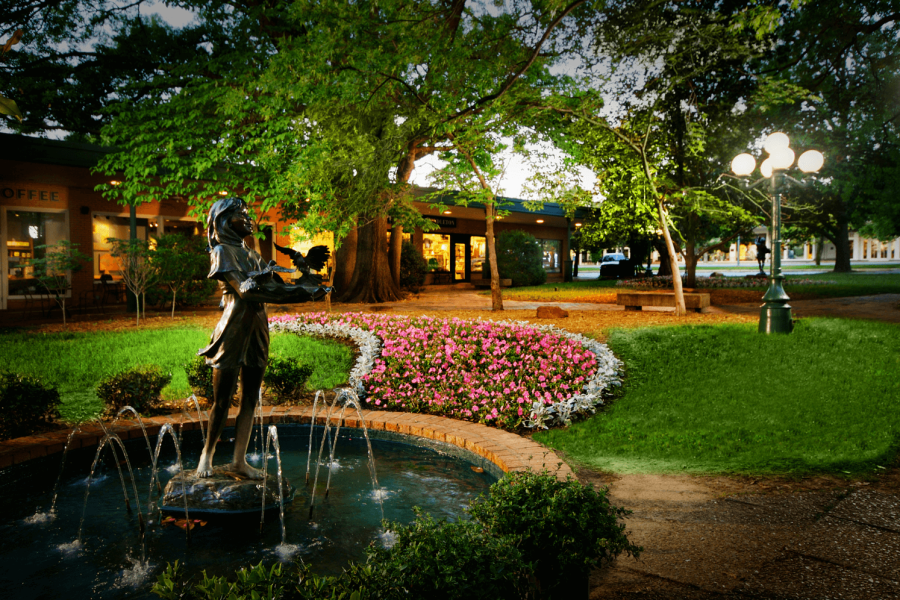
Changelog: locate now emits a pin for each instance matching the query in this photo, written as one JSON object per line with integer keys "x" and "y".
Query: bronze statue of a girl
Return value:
{"x": 239, "y": 346}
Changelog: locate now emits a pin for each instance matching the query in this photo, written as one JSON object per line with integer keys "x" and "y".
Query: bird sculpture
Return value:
{"x": 314, "y": 260}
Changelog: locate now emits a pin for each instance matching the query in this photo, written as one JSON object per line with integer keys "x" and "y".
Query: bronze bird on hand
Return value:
{"x": 315, "y": 260}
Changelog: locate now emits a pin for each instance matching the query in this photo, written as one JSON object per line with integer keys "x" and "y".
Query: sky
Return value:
{"x": 517, "y": 168}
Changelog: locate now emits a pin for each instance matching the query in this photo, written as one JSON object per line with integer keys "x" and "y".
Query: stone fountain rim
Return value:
{"x": 508, "y": 451}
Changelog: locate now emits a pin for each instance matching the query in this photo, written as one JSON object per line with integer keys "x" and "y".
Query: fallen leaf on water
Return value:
{"x": 478, "y": 469}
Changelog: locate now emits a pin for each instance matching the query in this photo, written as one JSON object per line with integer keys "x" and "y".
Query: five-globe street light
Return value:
{"x": 775, "y": 313}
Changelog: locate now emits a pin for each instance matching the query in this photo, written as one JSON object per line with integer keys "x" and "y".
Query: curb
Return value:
{"x": 509, "y": 451}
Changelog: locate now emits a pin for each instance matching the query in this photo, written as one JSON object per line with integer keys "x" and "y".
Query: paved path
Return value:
{"x": 881, "y": 307}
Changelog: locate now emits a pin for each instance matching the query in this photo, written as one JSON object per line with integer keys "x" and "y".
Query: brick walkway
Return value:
{"x": 507, "y": 450}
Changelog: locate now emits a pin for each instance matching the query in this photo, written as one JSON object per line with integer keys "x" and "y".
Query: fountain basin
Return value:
{"x": 41, "y": 559}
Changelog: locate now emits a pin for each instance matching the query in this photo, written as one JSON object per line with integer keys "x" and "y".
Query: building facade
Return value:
{"x": 47, "y": 194}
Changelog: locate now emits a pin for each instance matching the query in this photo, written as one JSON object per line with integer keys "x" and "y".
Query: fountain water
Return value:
{"x": 346, "y": 522}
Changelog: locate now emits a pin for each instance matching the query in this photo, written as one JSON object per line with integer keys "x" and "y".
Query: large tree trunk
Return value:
{"x": 496, "y": 295}
{"x": 394, "y": 252}
{"x": 344, "y": 263}
{"x": 665, "y": 268}
{"x": 841, "y": 242}
{"x": 371, "y": 281}
{"x": 690, "y": 264}
{"x": 820, "y": 247}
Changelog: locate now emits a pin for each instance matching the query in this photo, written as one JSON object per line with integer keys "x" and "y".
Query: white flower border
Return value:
{"x": 542, "y": 415}
{"x": 368, "y": 343}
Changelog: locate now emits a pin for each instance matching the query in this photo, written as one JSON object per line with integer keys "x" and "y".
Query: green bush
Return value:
{"x": 562, "y": 527}
{"x": 138, "y": 387}
{"x": 529, "y": 538}
{"x": 286, "y": 379}
{"x": 273, "y": 583}
{"x": 520, "y": 258}
{"x": 441, "y": 559}
{"x": 413, "y": 267}
{"x": 199, "y": 376}
{"x": 26, "y": 405}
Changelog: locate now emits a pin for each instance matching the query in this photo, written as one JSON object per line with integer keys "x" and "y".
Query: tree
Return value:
{"x": 331, "y": 103}
{"x": 52, "y": 270}
{"x": 177, "y": 262}
{"x": 77, "y": 58}
{"x": 680, "y": 78}
{"x": 849, "y": 69}
{"x": 135, "y": 268}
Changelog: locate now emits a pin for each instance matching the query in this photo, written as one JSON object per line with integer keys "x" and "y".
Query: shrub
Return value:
{"x": 520, "y": 258}
{"x": 562, "y": 527}
{"x": 138, "y": 387}
{"x": 413, "y": 267}
{"x": 441, "y": 559}
{"x": 278, "y": 581}
{"x": 286, "y": 379}
{"x": 199, "y": 376}
{"x": 26, "y": 405}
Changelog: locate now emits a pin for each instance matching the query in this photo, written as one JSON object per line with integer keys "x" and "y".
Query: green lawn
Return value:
{"x": 75, "y": 362}
{"x": 842, "y": 285}
{"x": 722, "y": 399}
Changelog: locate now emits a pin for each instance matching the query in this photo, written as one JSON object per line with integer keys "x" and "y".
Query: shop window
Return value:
{"x": 436, "y": 250}
{"x": 25, "y": 232}
{"x": 552, "y": 250}
{"x": 106, "y": 227}
{"x": 185, "y": 228}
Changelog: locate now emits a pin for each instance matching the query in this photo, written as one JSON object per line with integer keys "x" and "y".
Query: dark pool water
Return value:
{"x": 40, "y": 560}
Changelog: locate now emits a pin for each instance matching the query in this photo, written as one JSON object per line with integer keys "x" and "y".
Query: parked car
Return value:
{"x": 616, "y": 266}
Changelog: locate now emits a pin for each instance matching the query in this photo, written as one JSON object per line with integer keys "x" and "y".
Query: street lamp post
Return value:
{"x": 775, "y": 313}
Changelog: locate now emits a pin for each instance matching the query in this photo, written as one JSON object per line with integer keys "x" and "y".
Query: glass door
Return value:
{"x": 478, "y": 267}
{"x": 459, "y": 261}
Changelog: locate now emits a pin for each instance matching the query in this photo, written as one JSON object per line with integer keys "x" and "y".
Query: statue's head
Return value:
{"x": 218, "y": 228}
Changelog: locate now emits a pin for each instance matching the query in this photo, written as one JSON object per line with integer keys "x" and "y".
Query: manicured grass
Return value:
{"x": 841, "y": 285}
{"x": 573, "y": 291}
{"x": 727, "y": 399}
{"x": 849, "y": 284}
{"x": 76, "y": 362}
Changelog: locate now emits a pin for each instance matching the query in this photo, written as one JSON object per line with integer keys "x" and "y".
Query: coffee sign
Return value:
{"x": 17, "y": 193}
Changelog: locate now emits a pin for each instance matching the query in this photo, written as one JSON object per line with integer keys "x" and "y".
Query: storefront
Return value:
{"x": 457, "y": 250}
{"x": 47, "y": 195}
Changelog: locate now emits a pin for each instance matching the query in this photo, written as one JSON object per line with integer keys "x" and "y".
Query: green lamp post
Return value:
{"x": 775, "y": 313}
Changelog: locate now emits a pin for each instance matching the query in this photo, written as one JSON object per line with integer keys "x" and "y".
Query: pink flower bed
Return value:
{"x": 497, "y": 373}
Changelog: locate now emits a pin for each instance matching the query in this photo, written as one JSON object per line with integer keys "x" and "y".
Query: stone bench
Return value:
{"x": 486, "y": 283}
{"x": 696, "y": 301}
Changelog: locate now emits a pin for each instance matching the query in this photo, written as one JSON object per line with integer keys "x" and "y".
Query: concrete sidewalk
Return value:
{"x": 703, "y": 541}
{"x": 882, "y": 307}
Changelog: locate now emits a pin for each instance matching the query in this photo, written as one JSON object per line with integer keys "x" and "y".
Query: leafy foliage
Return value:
{"x": 461, "y": 559}
{"x": 520, "y": 258}
{"x": 181, "y": 266}
{"x": 135, "y": 267}
{"x": 200, "y": 376}
{"x": 26, "y": 404}
{"x": 52, "y": 265}
{"x": 440, "y": 559}
{"x": 563, "y": 528}
{"x": 413, "y": 267}
{"x": 286, "y": 378}
{"x": 138, "y": 387}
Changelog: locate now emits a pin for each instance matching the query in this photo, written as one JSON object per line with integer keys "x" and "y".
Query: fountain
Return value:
{"x": 90, "y": 542}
